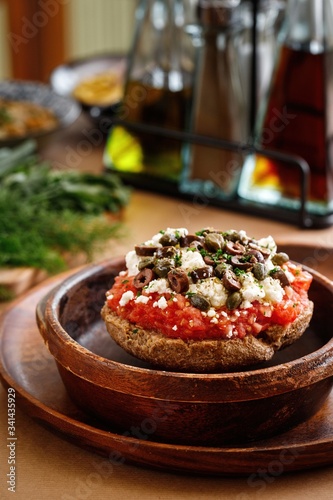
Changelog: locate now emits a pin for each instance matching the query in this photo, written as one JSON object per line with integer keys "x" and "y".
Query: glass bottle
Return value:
{"x": 218, "y": 104}
{"x": 269, "y": 15}
{"x": 157, "y": 95}
{"x": 295, "y": 117}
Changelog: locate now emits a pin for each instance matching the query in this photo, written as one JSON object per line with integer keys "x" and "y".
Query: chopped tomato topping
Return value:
{"x": 179, "y": 319}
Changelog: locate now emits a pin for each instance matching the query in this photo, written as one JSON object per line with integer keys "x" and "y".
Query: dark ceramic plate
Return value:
{"x": 65, "y": 108}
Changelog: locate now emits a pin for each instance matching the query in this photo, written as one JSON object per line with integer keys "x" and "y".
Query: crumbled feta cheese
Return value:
{"x": 175, "y": 328}
{"x": 181, "y": 231}
{"x": 245, "y": 304}
{"x": 273, "y": 290}
{"x": 289, "y": 275}
{"x": 269, "y": 264}
{"x": 159, "y": 285}
{"x": 132, "y": 261}
{"x": 126, "y": 297}
{"x": 251, "y": 289}
{"x": 161, "y": 303}
{"x": 268, "y": 243}
{"x": 142, "y": 299}
{"x": 213, "y": 290}
{"x": 191, "y": 260}
{"x": 211, "y": 313}
{"x": 242, "y": 235}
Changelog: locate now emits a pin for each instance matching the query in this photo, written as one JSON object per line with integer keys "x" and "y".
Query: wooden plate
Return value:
{"x": 25, "y": 362}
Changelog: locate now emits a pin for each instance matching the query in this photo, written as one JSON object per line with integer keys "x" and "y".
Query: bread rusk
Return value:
{"x": 201, "y": 356}
{"x": 212, "y": 301}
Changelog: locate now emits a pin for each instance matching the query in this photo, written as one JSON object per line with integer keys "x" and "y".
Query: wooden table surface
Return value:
{"x": 47, "y": 466}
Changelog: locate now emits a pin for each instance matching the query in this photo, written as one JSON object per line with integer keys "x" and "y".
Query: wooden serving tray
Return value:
{"x": 27, "y": 366}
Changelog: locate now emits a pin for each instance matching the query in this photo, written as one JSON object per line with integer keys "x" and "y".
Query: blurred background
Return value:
{"x": 59, "y": 30}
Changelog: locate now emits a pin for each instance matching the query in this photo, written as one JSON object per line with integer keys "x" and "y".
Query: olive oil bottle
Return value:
{"x": 158, "y": 94}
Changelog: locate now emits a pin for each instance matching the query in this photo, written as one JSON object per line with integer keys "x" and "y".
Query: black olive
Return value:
{"x": 264, "y": 251}
{"x": 143, "y": 278}
{"x": 191, "y": 240}
{"x": 234, "y": 248}
{"x": 199, "y": 302}
{"x": 230, "y": 281}
{"x": 208, "y": 259}
{"x": 145, "y": 250}
{"x": 280, "y": 275}
{"x": 167, "y": 251}
{"x": 178, "y": 280}
{"x": 201, "y": 273}
{"x": 258, "y": 256}
{"x": 240, "y": 262}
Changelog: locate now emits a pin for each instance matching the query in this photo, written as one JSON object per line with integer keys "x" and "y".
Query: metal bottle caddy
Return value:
{"x": 188, "y": 186}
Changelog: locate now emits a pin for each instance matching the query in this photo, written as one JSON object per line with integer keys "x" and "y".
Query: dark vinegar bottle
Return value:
{"x": 295, "y": 118}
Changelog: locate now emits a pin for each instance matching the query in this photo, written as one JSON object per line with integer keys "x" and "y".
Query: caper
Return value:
{"x": 168, "y": 240}
{"x": 234, "y": 300}
{"x": 259, "y": 271}
{"x": 162, "y": 267}
{"x": 214, "y": 241}
{"x": 199, "y": 302}
{"x": 220, "y": 269}
{"x": 232, "y": 235}
{"x": 146, "y": 262}
{"x": 280, "y": 258}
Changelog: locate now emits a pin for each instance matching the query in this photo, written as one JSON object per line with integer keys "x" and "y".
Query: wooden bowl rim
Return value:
{"x": 154, "y": 383}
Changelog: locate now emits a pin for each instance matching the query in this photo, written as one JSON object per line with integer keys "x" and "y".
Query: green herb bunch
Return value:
{"x": 45, "y": 213}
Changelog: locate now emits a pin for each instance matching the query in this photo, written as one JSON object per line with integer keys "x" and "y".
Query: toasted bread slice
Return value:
{"x": 201, "y": 356}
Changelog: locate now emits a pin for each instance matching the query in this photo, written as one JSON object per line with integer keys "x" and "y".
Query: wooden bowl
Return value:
{"x": 196, "y": 409}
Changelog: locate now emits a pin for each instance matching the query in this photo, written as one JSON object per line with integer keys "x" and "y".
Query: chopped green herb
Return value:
{"x": 178, "y": 260}
{"x": 239, "y": 272}
{"x": 274, "y": 270}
